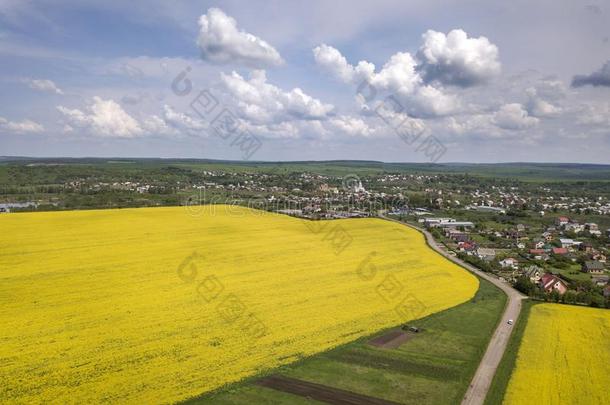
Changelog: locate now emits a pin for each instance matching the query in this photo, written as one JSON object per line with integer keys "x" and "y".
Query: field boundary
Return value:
{"x": 482, "y": 379}
{"x": 364, "y": 339}
{"x": 497, "y": 390}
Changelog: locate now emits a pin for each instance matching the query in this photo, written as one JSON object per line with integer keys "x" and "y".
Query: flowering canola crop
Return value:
{"x": 564, "y": 357}
{"x": 162, "y": 304}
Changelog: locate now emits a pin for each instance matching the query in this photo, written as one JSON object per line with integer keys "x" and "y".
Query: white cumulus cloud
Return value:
{"x": 104, "y": 118}
{"x": 262, "y": 102}
{"x": 21, "y": 127}
{"x": 514, "y": 117}
{"x": 397, "y": 74}
{"x": 220, "y": 41}
{"x": 456, "y": 59}
{"x": 43, "y": 85}
{"x": 352, "y": 126}
{"x": 538, "y": 107}
{"x": 182, "y": 121}
{"x": 398, "y": 77}
{"x": 595, "y": 114}
{"x": 156, "y": 125}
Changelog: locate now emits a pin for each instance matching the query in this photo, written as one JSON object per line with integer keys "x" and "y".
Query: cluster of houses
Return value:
{"x": 567, "y": 225}
{"x": 551, "y": 282}
{"x": 500, "y": 199}
{"x": 548, "y": 282}
{"x": 542, "y": 249}
{"x": 457, "y": 231}
{"x": 551, "y": 243}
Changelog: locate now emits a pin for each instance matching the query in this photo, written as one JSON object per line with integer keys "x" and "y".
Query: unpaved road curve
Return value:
{"x": 477, "y": 390}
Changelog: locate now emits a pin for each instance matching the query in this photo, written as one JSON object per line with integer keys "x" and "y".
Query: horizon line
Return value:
{"x": 7, "y": 158}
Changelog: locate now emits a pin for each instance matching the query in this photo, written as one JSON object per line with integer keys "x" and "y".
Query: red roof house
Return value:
{"x": 560, "y": 251}
{"x": 466, "y": 246}
{"x": 562, "y": 221}
{"x": 550, "y": 282}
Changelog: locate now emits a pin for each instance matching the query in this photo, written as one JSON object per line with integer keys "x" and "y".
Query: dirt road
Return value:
{"x": 477, "y": 390}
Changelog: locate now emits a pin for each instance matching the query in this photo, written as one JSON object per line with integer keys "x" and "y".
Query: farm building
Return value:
{"x": 485, "y": 208}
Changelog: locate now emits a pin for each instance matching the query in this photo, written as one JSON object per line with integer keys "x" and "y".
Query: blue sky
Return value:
{"x": 485, "y": 81}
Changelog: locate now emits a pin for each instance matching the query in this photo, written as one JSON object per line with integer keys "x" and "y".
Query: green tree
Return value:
{"x": 525, "y": 285}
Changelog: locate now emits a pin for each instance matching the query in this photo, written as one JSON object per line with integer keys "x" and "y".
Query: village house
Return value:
{"x": 574, "y": 227}
{"x": 467, "y": 247}
{"x": 534, "y": 273}
{"x": 509, "y": 262}
{"x": 560, "y": 251}
{"x": 566, "y": 243}
{"x": 593, "y": 267}
{"x": 456, "y": 235}
{"x": 486, "y": 253}
{"x": 591, "y": 226}
{"x": 586, "y": 247}
{"x": 550, "y": 282}
{"x": 593, "y": 229}
{"x": 538, "y": 243}
{"x": 600, "y": 280}
{"x": 562, "y": 221}
{"x": 597, "y": 256}
{"x": 539, "y": 254}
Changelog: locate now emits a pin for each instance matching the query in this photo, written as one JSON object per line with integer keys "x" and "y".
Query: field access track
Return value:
{"x": 319, "y": 392}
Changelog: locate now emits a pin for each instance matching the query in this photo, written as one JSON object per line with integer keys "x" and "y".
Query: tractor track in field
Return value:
{"x": 319, "y": 392}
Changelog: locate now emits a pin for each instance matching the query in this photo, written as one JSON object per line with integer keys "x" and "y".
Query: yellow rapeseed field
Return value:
{"x": 162, "y": 304}
{"x": 564, "y": 357}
